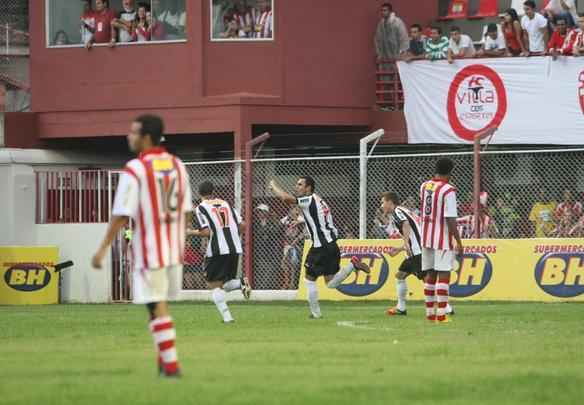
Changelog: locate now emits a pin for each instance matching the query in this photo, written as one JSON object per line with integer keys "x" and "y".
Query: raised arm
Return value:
{"x": 287, "y": 198}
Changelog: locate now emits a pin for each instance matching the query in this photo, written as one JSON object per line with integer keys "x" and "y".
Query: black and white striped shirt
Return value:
{"x": 400, "y": 216}
{"x": 223, "y": 223}
{"x": 319, "y": 220}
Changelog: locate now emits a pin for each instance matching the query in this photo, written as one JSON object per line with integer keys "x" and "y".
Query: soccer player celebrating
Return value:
{"x": 154, "y": 191}
{"x": 440, "y": 238}
{"x": 222, "y": 224}
{"x": 407, "y": 225}
{"x": 324, "y": 256}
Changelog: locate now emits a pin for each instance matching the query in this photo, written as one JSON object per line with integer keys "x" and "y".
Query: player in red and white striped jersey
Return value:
{"x": 440, "y": 238}
{"x": 154, "y": 191}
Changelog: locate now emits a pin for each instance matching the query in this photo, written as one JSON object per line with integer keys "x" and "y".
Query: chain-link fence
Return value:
{"x": 14, "y": 56}
{"x": 528, "y": 194}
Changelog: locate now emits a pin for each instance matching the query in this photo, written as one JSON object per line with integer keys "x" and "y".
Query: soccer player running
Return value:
{"x": 324, "y": 256}
{"x": 222, "y": 224}
{"x": 407, "y": 225}
{"x": 154, "y": 191}
{"x": 440, "y": 239}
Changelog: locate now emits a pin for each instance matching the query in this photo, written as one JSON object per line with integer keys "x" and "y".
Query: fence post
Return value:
{"x": 248, "y": 213}
{"x": 237, "y": 182}
{"x": 487, "y": 133}
{"x": 375, "y": 136}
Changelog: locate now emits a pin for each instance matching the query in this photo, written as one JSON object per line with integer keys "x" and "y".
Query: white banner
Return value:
{"x": 532, "y": 100}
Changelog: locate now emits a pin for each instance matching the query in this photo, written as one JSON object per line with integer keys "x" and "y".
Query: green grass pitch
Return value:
{"x": 504, "y": 353}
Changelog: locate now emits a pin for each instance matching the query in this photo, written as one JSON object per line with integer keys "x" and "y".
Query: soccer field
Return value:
{"x": 103, "y": 354}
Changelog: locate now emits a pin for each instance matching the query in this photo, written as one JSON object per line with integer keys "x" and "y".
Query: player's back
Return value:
{"x": 438, "y": 202}
{"x": 162, "y": 198}
{"x": 223, "y": 223}
{"x": 318, "y": 219}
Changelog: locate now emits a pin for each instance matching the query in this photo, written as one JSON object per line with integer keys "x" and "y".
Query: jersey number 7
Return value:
{"x": 222, "y": 215}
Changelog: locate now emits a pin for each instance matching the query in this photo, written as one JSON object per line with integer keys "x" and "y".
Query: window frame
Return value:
{"x": 146, "y": 43}
{"x": 242, "y": 40}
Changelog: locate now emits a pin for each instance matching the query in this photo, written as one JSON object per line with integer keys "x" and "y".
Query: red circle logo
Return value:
{"x": 476, "y": 100}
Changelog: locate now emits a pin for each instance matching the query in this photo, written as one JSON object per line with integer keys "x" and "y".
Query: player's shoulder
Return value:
{"x": 135, "y": 168}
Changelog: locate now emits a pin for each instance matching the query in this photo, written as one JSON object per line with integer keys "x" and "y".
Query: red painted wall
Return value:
{"x": 322, "y": 58}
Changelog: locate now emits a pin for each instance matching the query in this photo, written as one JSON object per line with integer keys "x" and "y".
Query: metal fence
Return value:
{"x": 530, "y": 194}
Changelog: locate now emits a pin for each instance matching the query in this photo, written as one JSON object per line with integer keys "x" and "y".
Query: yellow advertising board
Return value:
{"x": 27, "y": 275}
{"x": 549, "y": 270}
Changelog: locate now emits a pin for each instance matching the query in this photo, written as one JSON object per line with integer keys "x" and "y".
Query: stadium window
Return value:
{"x": 242, "y": 20}
{"x": 70, "y": 23}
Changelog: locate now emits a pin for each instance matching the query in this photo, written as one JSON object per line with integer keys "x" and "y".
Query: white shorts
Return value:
{"x": 157, "y": 285}
{"x": 439, "y": 260}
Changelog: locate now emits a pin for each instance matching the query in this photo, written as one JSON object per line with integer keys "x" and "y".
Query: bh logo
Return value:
{"x": 359, "y": 284}
{"x": 27, "y": 277}
{"x": 561, "y": 274}
{"x": 474, "y": 273}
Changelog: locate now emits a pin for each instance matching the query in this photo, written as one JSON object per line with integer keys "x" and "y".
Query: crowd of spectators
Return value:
{"x": 243, "y": 19}
{"x": 555, "y": 30}
{"x": 152, "y": 20}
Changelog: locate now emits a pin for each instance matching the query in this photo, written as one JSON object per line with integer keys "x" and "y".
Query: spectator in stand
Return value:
{"x": 417, "y": 49}
{"x": 391, "y": 36}
{"x": 61, "y": 38}
{"x": 87, "y": 23}
{"x": 266, "y": 232}
{"x": 242, "y": 14}
{"x": 542, "y": 215}
{"x": 567, "y": 214}
{"x": 535, "y": 28}
{"x": 105, "y": 33}
{"x": 460, "y": 45}
{"x": 505, "y": 216}
{"x": 574, "y": 44}
{"x": 125, "y": 21}
{"x": 411, "y": 204}
{"x": 467, "y": 225}
{"x": 263, "y": 20}
{"x": 158, "y": 31}
{"x": 493, "y": 43}
{"x": 141, "y": 31}
{"x": 513, "y": 34}
{"x": 174, "y": 20}
{"x": 556, "y": 44}
{"x": 232, "y": 28}
{"x": 380, "y": 224}
{"x": 562, "y": 10}
{"x": 294, "y": 236}
{"x": 437, "y": 46}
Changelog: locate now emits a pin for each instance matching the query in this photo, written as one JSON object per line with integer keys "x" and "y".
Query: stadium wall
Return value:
{"x": 77, "y": 242}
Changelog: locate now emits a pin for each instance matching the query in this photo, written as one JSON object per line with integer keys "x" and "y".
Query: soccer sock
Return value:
{"x": 313, "y": 298}
{"x": 219, "y": 300}
{"x": 164, "y": 335}
{"x": 442, "y": 290}
{"x": 402, "y": 292}
{"x": 430, "y": 298}
{"x": 232, "y": 285}
{"x": 341, "y": 275}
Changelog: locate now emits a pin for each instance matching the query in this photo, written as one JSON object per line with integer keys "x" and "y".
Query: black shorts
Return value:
{"x": 412, "y": 265}
{"x": 323, "y": 261}
{"x": 221, "y": 268}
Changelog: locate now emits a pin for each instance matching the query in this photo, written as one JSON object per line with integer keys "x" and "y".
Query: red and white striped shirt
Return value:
{"x": 573, "y": 210}
{"x": 154, "y": 190}
{"x": 438, "y": 202}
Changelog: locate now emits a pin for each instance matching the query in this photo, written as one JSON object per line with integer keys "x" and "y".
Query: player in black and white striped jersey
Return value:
{"x": 324, "y": 256}
{"x": 407, "y": 224}
{"x": 219, "y": 222}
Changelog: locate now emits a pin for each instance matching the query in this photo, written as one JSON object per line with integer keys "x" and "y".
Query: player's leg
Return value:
{"x": 335, "y": 275}
{"x": 444, "y": 265}
{"x": 235, "y": 283}
{"x": 151, "y": 287}
{"x": 314, "y": 268}
{"x": 428, "y": 260}
{"x": 401, "y": 288}
{"x": 217, "y": 271}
